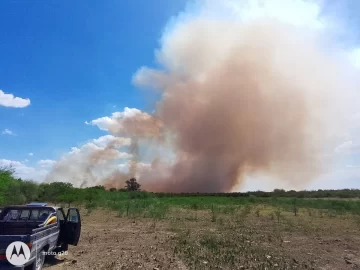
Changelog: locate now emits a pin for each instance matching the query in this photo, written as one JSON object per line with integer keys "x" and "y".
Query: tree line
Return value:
{"x": 17, "y": 191}
{"x": 320, "y": 193}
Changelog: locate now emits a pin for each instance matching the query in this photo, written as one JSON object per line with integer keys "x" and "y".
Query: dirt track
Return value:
{"x": 304, "y": 242}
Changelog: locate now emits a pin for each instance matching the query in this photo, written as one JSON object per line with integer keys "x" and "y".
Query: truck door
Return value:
{"x": 72, "y": 227}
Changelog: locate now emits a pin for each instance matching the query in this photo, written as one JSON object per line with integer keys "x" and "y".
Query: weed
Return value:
{"x": 331, "y": 213}
{"x": 220, "y": 221}
{"x": 210, "y": 242}
{"x": 127, "y": 207}
{"x": 247, "y": 210}
{"x": 295, "y": 209}
{"x": 228, "y": 209}
{"x": 278, "y": 214}
{"x": 191, "y": 218}
{"x": 278, "y": 235}
{"x": 90, "y": 206}
{"x": 158, "y": 210}
{"x": 213, "y": 213}
{"x": 194, "y": 206}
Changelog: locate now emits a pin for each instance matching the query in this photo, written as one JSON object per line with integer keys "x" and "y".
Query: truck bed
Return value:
{"x": 18, "y": 227}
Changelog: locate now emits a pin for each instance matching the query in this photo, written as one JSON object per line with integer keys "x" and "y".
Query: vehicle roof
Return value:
{"x": 29, "y": 207}
{"x": 37, "y": 204}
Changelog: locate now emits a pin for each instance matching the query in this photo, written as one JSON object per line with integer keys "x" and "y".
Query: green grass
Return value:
{"x": 228, "y": 205}
{"x": 156, "y": 205}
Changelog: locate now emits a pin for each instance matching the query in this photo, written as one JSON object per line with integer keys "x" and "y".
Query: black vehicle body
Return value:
{"x": 28, "y": 224}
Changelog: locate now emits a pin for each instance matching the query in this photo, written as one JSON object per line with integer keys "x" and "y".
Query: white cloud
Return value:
{"x": 8, "y": 132}
{"x": 46, "y": 162}
{"x": 355, "y": 57}
{"x": 356, "y": 116}
{"x": 349, "y": 147}
{"x": 297, "y": 12}
{"x": 107, "y": 142}
{"x": 109, "y": 154}
{"x": 344, "y": 146}
{"x": 9, "y": 100}
{"x": 104, "y": 123}
{"x": 31, "y": 154}
{"x": 23, "y": 171}
{"x": 338, "y": 179}
{"x": 103, "y": 141}
{"x": 130, "y": 122}
{"x": 352, "y": 166}
{"x": 9, "y": 163}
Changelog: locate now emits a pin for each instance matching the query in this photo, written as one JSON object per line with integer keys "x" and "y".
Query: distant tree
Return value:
{"x": 52, "y": 192}
{"x": 132, "y": 185}
{"x": 97, "y": 187}
{"x": 6, "y": 177}
{"x": 91, "y": 194}
{"x": 30, "y": 190}
{"x": 68, "y": 197}
{"x": 13, "y": 195}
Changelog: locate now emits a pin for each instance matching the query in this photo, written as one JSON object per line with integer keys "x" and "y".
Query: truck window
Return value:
{"x": 14, "y": 214}
{"x": 60, "y": 215}
{"x": 42, "y": 212}
{"x": 24, "y": 214}
{"x": 73, "y": 216}
{"x": 43, "y": 215}
{"x": 34, "y": 214}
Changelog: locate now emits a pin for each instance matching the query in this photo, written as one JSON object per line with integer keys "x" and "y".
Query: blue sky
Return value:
{"x": 74, "y": 60}
{"x": 67, "y": 62}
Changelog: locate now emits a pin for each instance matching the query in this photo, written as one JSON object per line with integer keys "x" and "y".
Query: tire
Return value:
{"x": 38, "y": 263}
{"x": 65, "y": 247}
{"x": 62, "y": 247}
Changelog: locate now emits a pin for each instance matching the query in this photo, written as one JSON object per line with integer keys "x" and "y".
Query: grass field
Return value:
{"x": 218, "y": 233}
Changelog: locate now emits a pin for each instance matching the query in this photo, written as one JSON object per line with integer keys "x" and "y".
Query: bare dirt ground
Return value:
{"x": 257, "y": 238}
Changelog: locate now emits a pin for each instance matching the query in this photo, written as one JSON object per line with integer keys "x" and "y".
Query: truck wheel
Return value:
{"x": 65, "y": 247}
{"x": 38, "y": 263}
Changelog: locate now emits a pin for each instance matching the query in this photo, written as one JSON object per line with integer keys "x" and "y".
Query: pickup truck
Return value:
{"x": 44, "y": 229}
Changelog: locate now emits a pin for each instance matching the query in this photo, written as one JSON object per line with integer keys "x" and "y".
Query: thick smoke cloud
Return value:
{"x": 239, "y": 97}
{"x": 84, "y": 166}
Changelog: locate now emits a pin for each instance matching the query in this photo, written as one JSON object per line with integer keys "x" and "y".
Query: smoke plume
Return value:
{"x": 239, "y": 96}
